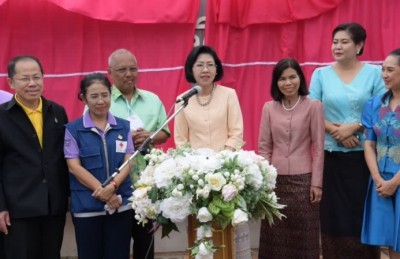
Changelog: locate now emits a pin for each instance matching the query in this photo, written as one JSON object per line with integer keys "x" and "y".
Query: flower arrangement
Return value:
{"x": 218, "y": 188}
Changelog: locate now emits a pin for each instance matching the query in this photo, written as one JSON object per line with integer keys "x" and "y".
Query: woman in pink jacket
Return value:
{"x": 292, "y": 139}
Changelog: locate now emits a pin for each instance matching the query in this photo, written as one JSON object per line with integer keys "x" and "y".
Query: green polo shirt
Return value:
{"x": 145, "y": 105}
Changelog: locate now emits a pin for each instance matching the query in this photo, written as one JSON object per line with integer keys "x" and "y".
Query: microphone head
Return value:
{"x": 198, "y": 88}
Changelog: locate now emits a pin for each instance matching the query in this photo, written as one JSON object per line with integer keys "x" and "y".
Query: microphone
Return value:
{"x": 195, "y": 90}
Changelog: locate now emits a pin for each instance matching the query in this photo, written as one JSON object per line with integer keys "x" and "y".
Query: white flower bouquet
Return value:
{"x": 218, "y": 188}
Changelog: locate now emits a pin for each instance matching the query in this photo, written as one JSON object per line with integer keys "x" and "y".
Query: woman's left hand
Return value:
{"x": 104, "y": 193}
{"x": 344, "y": 130}
{"x": 315, "y": 194}
{"x": 386, "y": 188}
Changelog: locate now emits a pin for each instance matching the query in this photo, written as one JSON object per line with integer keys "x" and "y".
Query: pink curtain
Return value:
{"x": 145, "y": 12}
{"x": 241, "y": 13}
{"x": 250, "y": 44}
{"x": 70, "y": 44}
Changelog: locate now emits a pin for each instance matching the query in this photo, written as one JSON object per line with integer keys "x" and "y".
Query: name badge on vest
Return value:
{"x": 121, "y": 146}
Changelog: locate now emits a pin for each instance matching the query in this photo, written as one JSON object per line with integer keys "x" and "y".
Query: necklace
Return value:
{"x": 294, "y": 106}
{"x": 209, "y": 98}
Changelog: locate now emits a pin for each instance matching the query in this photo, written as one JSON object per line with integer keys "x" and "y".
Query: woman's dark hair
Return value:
{"x": 13, "y": 63}
{"x": 90, "y": 79}
{"x": 356, "y": 31}
{"x": 281, "y": 66}
{"x": 389, "y": 94}
{"x": 192, "y": 57}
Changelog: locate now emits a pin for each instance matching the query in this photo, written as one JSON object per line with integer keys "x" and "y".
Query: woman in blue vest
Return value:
{"x": 95, "y": 146}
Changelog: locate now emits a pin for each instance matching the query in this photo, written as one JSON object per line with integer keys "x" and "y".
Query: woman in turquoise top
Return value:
{"x": 343, "y": 88}
{"x": 381, "y": 119}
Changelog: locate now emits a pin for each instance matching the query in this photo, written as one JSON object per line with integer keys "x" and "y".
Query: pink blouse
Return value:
{"x": 215, "y": 125}
{"x": 293, "y": 141}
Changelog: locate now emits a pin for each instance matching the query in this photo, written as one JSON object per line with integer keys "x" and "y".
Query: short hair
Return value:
{"x": 389, "y": 93}
{"x": 90, "y": 79}
{"x": 281, "y": 66}
{"x": 13, "y": 63}
{"x": 356, "y": 31}
{"x": 192, "y": 57}
{"x": 119, "y": 52}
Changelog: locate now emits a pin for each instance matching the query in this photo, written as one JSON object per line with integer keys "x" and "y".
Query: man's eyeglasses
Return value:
{"x": 200, "y": 66}
{"x": 123, "y": 70}
{"x": 26, "y": 80}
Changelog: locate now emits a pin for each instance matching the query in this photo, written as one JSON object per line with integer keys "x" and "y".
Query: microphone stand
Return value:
{"x": 144, "y": 148}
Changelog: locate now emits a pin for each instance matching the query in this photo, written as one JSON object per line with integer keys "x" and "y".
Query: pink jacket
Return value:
{"x": 293, "y": 141}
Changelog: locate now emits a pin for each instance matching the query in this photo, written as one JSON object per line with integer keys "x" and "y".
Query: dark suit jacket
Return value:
{"x": 33, "y": 180}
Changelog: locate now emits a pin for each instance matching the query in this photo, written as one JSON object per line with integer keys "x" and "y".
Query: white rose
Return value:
{"x": 206, "y": 160}
{"x": 199, "y": 193}
{"x": 245, "y": 158}
{"x": 215, "y": 181}
{"x": 164, "y": 173}
{"x": 204, "y": 252}
{"x": 229, "y": 192}
{"x": 176, "y": 208}
{"x": 204, "y": 231}
{"x": 256, "y": 178}
{"x": 239, "y": 216}
{"x": 206, "y": 192}
{"x": 204, "y": 215}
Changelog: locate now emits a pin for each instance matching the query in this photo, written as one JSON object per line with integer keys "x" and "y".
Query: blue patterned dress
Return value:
{"x": 381, "y": 224}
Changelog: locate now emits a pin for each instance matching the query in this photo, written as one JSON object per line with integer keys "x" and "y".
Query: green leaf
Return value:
{"x": 214, "y": 210}
{"x": 153, "y": 194}
{"x": 239, "y": 200}
{"x": 166, "y": 229}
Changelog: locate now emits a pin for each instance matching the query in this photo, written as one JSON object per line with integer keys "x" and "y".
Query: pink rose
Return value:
{"x": 229, "y": 192}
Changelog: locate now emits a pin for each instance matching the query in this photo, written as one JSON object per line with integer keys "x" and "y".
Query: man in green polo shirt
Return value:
{"x": 146, "y": 114}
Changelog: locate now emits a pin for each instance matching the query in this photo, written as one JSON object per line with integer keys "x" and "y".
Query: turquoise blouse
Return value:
{"x": 343, "y": 103}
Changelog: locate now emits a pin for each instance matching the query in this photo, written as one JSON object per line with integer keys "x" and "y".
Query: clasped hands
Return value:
{"x": 139, "y": 136}
{"x": 107, "y": 194}
{"x": 385, "y": 188}
{"x": 344, "y": 133}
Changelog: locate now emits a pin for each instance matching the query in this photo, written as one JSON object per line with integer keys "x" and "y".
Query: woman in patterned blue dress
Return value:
{"x": 381, "y": 119}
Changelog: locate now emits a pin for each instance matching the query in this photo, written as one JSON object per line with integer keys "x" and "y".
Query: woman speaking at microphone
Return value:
{"x": 95, "y": 145}
{"x": 212, "y": 119}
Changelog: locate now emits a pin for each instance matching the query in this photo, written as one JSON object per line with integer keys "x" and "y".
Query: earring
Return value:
{"x": 358, "y": 52}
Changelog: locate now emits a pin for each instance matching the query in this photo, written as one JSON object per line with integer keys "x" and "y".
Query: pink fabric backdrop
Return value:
{"x": 251, "y": 45}
{"x": 71, "y": 44}
{"x": 73, "y": 38}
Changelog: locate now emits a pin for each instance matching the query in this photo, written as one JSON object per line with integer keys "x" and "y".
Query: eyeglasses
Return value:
{"x": 97, "y": 97}
{"x": 26, "y": 80}
{"x": 200, "y": 66}
{"x": 123, "y": 70}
